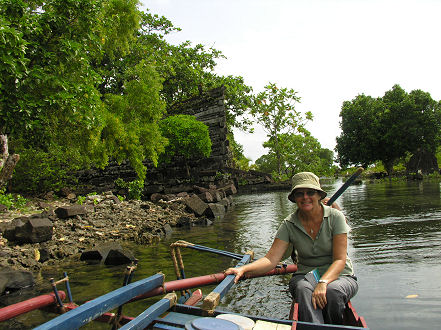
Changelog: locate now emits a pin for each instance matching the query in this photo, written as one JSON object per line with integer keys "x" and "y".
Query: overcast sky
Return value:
{"x": 329, "y": 51}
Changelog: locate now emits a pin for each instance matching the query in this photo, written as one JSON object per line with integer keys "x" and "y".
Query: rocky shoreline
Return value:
{"x": 75, "y": 228}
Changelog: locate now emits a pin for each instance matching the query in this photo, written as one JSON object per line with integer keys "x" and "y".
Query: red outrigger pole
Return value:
{"x": 193, "y": 282}
{"x": 26, "y": 306}
{"x": 50, "y": 301}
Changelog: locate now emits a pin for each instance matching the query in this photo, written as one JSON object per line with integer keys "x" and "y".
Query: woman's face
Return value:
{"x": 306, "y": 199}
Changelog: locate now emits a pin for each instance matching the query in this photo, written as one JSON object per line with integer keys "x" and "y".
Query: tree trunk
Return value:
{"x": 389, "y": 166}
{"x": 7, "y": 162}
{"x": 4, "y": 152}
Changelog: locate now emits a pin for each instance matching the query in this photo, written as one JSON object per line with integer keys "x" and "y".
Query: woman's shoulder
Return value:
{"x": 330, "y": 211}
{"x": 333, "y": 214}
{"x": 292, "y": 217}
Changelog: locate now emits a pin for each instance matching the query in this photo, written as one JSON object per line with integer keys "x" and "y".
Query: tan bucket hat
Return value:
{"x": 305, "y": 180}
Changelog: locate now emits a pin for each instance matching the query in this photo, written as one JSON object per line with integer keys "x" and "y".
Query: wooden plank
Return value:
{"x": 265, "y": 325}
{"x": 144, "y": 319}
{"x": 89, "y": 311}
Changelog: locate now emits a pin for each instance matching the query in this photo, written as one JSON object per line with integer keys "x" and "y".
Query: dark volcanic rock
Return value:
{"x": 109, "y": 254}
{"x": 29, "y": 230}
{"x": 196, "y": 205}
{"x": 12, "y": 280}
{"x": 119, "y": 257}
{"x": 70, "y": 211}
{"x": 215, "y": 210}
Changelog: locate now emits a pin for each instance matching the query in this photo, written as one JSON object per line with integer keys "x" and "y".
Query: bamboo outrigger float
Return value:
{"x": 169, "y": 312}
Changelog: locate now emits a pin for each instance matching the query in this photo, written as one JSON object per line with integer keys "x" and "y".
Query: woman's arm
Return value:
{"x": 339, "y": 251}
{"x": 262, "y": 265}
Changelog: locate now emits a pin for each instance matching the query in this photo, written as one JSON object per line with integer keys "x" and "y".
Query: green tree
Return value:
{"x": 274, "y": 110}
{"x": 187, "y": 137}
{"x": 300, "y": 152}
{"x": 86, "y": 81}
{"x": 267, "y": 164}
{"x": 387, "y": 128}
{"x": 186, "y": 69}
{"x": 131, "y": 128}
{"x": 57, "y": 62}
{"x": 361, "y": 131}
{"x": 240, "y": 161}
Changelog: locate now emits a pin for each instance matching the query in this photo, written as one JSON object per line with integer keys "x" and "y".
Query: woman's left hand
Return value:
{"x": 334, "y": 205}
{"x": 319, "y": 296}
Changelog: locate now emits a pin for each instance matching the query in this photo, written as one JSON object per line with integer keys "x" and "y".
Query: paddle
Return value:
{"x": 344, "y": 186}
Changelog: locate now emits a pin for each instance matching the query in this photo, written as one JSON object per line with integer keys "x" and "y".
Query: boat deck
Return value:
{"x": 182, "y": 314}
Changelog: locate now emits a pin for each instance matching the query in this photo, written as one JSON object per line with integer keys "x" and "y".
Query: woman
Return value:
{"x": 318, "y": 234}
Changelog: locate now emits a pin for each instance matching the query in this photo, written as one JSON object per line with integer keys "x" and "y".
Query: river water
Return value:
{"x": 395, "y": 246}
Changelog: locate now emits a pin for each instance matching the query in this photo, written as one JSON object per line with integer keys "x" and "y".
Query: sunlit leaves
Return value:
{"x": 187, "y": 137}
{"x": 274, "y": 110}
{"x": 131, "y": 130}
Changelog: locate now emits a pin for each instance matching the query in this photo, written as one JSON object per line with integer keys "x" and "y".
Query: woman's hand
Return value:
{"x": 334, "y": 205}
{"x": 238, "y": 272}
{"x": 319, "y": 296}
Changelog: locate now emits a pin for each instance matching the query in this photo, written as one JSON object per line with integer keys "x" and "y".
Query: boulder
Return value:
{"x": 183, "y": 221}
{"x": 44, "y": 254}
{"x": 182, "y": 194}
{"x": 229, "y": 189}
{"x": 156, "y": 197}
{"x": 206, "y": 197}
{"x": 119, "y": 257}
{"x": 169, "y": 197}
{"x": 8, "y": 229}
{"x": 196, "y": 205}
{"x": 199, "y": 189}
{"x": 215, "y": 210}
{"x": 109, "y": 254}
{"x": 225, "y": 202}
{"x": 217, "y": 196}
{"x": 204, "y": 222}
{"x": 29, "y": 230}
{"x": 12, "y": 280}
{"x": 167, "y": 229}
{"x": 69, "y": 211}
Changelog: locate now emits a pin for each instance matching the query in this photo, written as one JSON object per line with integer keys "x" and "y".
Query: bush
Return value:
{"x": 187, "y": 137}
{"x": 9, "y": 200}
{"x": 134, "y": 188}
{"x": 39, "y": 172}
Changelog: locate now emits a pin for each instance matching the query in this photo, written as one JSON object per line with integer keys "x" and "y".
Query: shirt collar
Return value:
{"x": 295, "y": 219}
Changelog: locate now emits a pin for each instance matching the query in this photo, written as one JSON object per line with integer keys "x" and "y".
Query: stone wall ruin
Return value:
{"x": 171, "y": 178}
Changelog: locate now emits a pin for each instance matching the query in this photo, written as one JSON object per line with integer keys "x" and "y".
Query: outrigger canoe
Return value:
{"x": 190, "y": 311}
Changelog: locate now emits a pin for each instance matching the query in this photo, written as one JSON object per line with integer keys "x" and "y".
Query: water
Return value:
{"x": 395, "y": 246}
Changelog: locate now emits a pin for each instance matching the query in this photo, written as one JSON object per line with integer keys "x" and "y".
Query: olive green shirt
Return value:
{"x": 315, "y": 253}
